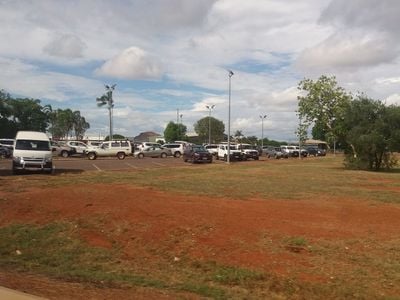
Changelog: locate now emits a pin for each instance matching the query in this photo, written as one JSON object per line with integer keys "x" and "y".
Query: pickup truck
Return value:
{"x": 234, "y": 153}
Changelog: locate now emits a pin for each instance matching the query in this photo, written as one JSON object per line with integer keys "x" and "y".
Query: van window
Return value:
{"x": 32, "y": 145}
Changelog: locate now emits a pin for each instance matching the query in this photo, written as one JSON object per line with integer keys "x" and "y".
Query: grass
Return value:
{"x": 356, "y": 268}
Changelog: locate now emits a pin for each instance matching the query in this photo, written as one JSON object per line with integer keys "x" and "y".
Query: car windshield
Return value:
{"x": 32, "y": 145}
{"x": 199, "y": 148}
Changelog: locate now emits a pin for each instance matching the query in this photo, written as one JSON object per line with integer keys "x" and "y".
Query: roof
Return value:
{"x": 32, "y": 135}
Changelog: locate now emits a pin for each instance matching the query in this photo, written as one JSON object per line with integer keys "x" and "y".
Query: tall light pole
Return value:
{"x": 180, "y": 127}
{"x": 262, "y": 117}
{"x": 210, "y": 108}
{"x": 107, "y": 99}
{"x": 230, "y": 74}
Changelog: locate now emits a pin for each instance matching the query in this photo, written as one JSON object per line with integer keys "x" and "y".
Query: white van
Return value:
{"x": 32, "y": 151}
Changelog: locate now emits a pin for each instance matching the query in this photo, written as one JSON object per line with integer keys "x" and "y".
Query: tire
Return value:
{"x": 177, "y": 154}
{"x": 140, "y": 155}
{"x": 163, "y": 155}
{"x": 64, "y": 153}
{"x": 256, "y": 158}
{"x": 225, "y": 157}
{"x": 121, "y": 155}
{"x": 91, "y": 156}
{"x": 217, "y": 157}
{"x": 192, "y": 160}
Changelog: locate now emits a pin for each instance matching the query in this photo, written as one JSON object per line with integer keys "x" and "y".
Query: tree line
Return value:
{"x": 28, "y": 114}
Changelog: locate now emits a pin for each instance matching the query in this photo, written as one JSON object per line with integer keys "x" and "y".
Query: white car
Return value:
{"x": 234, "y": 154}
{"x": 212, "y": 148}
{"x": 80, "y": 147}
{"x": 120, "y": 149}
{"x": 176, "y": 148}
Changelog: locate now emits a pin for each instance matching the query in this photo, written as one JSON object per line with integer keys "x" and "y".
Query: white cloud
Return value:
{"x": 132, "y": 63}
{"x": 66, "y": 46}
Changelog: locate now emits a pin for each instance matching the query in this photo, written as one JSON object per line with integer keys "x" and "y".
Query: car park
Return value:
{"x": 154, "y": 151}
{"x": 119, "y": 149}
{"x": 176, "y": 148}
{"x": 249, "y": 151}
{"x": 197, "y": 153}
{"x": 61, "y": 149}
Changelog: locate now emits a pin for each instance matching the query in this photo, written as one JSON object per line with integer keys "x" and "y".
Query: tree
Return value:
{"x": 324, "y": 104}
{"x": 175, "y": 132}
{"x": 372, "y": 133}
{"x": 28, "y": 114}
{"x": 80, "y": 125}
{"x": 201, "y": 127}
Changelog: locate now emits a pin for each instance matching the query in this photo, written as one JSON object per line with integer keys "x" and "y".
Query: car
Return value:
{"x": 145, "y": 145}
{"x": 120, "y": 149}
{"x": 32, "y": 151}
{"x": 176, "y": 148}
{"x": 153, "y": 152}
{"x": 315, "y": 151}
{"x": 80, "y": 147}
{"x": 290, "y": 150}
{"x": 61, "y": 149}
{"x": 5, "y": 152}
{"x": 234, "y": 154}
{"x": 8, "y": 143}
{"x": 248, "y": 151}
{"x": 304, "y": 152}
{"x": 212, "y": 148}
{"x": 197, "y": 153}
{"x": 275, "y": 152}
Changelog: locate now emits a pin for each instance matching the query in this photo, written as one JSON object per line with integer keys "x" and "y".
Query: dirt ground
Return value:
{"x": 223, "y": 230}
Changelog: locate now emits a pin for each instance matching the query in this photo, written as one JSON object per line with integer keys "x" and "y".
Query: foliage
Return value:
{"x": 201, "y": 127}
{"x": 63, "y": 122}
{"x": 373, "y": 132}
{"x": 324, "y": 104}
{"x": 115, "y": 137}
{"x": 175, "y": 132}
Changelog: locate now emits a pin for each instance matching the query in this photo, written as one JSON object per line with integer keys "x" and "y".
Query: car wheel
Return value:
{"x": 225, "y": 157}
{"x": 177, "y": 154}
{"x": 121, "y": 155}
{"x": 64, "y": 153}
{"x": 91, "y": 155}
{"x": 163, "y": 155}
{"x": 140, "y": 155}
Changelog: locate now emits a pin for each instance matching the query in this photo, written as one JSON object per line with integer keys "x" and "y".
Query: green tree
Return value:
{"x": 7, "y": 126}
{"x": 115, "y": 137}
{"x": 201, "y": 127}
{"x": 80, "y": 125}
{"x": 175, "y": 132}
{"x": 28, "y": 114}
{"x": 324, "y": 104}
{"x": 372, "y": 133}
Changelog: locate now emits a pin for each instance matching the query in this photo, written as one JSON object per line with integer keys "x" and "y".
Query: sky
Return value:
{"x": 169, "y": 55}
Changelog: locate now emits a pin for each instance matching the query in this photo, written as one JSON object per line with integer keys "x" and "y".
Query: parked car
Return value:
{"x": 315, "y": 151}
{"x": 290, "y": 150}
{"x": 32, "y": 151}
{"x": 120, "y": 149}
{"x": 248, "y": 151}
{"x": 304, "y": 152}
{"x": 8, "y": 143}
{"x": 145, "y": 145}
{"x": 197, "y": 153}
{"x": 275, "y": 152}
{"x": 212, "y": 148}
{"x": 61, "y": 149}
{"x": 234, "y": 154}
{"x": 5, "y": 152}
{"x": 153, "y": 152}
{"x": 80, "y": 147}
{"x": 176, "y": 148}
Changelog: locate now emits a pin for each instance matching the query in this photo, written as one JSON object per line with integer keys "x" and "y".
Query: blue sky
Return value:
{"x": 166, "y": 55}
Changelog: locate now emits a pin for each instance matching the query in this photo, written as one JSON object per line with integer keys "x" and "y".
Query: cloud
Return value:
{"x": 132, "y": 63}
{"x": 65, "y": 46}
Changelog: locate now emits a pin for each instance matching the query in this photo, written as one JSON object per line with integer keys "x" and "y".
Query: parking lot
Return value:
{"x": 80, "y": 164}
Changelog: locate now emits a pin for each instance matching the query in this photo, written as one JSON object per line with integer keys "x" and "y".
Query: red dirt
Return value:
{"x": 235, "y": 232}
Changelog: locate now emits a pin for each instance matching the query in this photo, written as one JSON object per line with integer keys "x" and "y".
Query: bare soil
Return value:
{"x": 243, "y": 233}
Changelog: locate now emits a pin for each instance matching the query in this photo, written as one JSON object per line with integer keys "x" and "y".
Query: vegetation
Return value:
{"x": 202, "y": 127}
{"x": 175, "y": 132}
{"x": 367, "y": 129}
{"x": 28, "y": 114}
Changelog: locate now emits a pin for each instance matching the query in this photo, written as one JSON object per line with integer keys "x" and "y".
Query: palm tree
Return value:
{"x": 107, "y": 99}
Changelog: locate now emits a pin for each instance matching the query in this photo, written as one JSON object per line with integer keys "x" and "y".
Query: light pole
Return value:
{"x": 210, "y": 108}
{"x": 230, "y": 74}
{"x": 107, "y": 99}
{"x": 262, "y": 131}
{"x": 180, "y": 128}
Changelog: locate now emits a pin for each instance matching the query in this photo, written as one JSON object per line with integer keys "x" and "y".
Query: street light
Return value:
{"x": 210, "y": 108}
{"x": 230, "y": 74}
{"x": 107, "y": 99}
{"x": 262, "y": 131}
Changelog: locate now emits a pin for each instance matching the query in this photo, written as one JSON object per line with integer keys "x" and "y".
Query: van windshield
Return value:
{"x": 32, "y": 145}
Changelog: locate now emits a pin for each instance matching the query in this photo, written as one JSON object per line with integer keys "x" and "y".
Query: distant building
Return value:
{"x": 148, "y": 136}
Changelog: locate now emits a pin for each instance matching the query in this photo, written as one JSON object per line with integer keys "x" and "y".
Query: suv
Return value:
{"x": 80, "y": 147}
{"x": 8, "y": 143}
{"x": 146, "y": 145}
{"x": 290, "y": 150}
{"x": 176, "y": 148}
{"x": 275, "y": 152}
{"x": 234, "y": 153}
{"x": 61, "y": 149}
{"x": 212, "y": 148}
{"x": 248, "y": 151}
{"x": 315, "y": 151}
{"x": 196, "y": 153}
{"x": 120, "y": 149}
